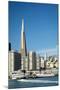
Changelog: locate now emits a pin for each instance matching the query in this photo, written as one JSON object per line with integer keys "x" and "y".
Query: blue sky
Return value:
{"x": 40, "y": 25}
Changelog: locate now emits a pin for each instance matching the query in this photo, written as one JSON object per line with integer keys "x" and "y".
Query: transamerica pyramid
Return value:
{"x": 23, "y": 41}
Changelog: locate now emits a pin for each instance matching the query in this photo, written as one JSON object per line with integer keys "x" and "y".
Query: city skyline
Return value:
{"x": 39, "y": 27}
{"x": 33, "y": 45}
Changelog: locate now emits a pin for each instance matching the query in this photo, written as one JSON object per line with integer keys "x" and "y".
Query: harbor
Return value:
{"x": 37, "y": 82}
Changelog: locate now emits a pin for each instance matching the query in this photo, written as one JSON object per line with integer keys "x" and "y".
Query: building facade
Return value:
{"x": 24, "y": 63}
{"x": 32, "y": 60}
{"x": 52, "y": 62}
{"x": 38, "y": 62}
{"x": 42, "y": 62}
{"x": 14, "y": 61}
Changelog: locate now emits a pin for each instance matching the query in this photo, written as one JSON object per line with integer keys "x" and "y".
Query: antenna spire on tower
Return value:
{"x": 22, "y": 25}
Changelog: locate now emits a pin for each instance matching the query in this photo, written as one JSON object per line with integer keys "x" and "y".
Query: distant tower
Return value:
{"x": 23, "y": 41}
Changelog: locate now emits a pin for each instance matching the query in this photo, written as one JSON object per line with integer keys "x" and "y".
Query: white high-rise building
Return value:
{"x": 42, "y": 62}
{"x": 38, "y": 62}
{"x": 32, "y": 60}
{"x": 14, "y": 62}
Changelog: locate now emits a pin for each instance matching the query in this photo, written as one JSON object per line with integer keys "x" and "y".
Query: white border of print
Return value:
{"x": 4, "y": 44}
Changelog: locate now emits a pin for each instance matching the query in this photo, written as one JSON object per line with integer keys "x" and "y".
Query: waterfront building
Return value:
{"x": 38, "y": 62}
{"x": 32, "y": 60}
{"x": 14, "y": 62}
{"x": 42, "y": 62}
{"x": 24, "y": 63}
{"x": 56, "y": 64}
{"x": 52, "y": 62}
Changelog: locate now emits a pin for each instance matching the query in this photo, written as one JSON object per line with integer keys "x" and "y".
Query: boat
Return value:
{"x": 44, "y": 75}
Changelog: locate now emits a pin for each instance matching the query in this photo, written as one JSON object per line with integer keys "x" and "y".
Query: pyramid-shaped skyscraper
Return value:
{"x": 23, "y": 41}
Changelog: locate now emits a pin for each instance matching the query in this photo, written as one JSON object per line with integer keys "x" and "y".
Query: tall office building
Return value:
{"x": 23, "y": 41}
{"x": 24, "y": 59}
{"x": 32, "y": 60}
{"x": 14, "y": 61}
{"x": 42, "y": 62}
{"x": 38, "y": 62}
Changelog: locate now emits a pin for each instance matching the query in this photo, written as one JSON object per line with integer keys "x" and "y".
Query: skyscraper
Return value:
{"x": 14, "y": 61}
{"x": 32, "y": 60}
{"x": 23, "y": 41}
{"x": 24, "y": 60}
